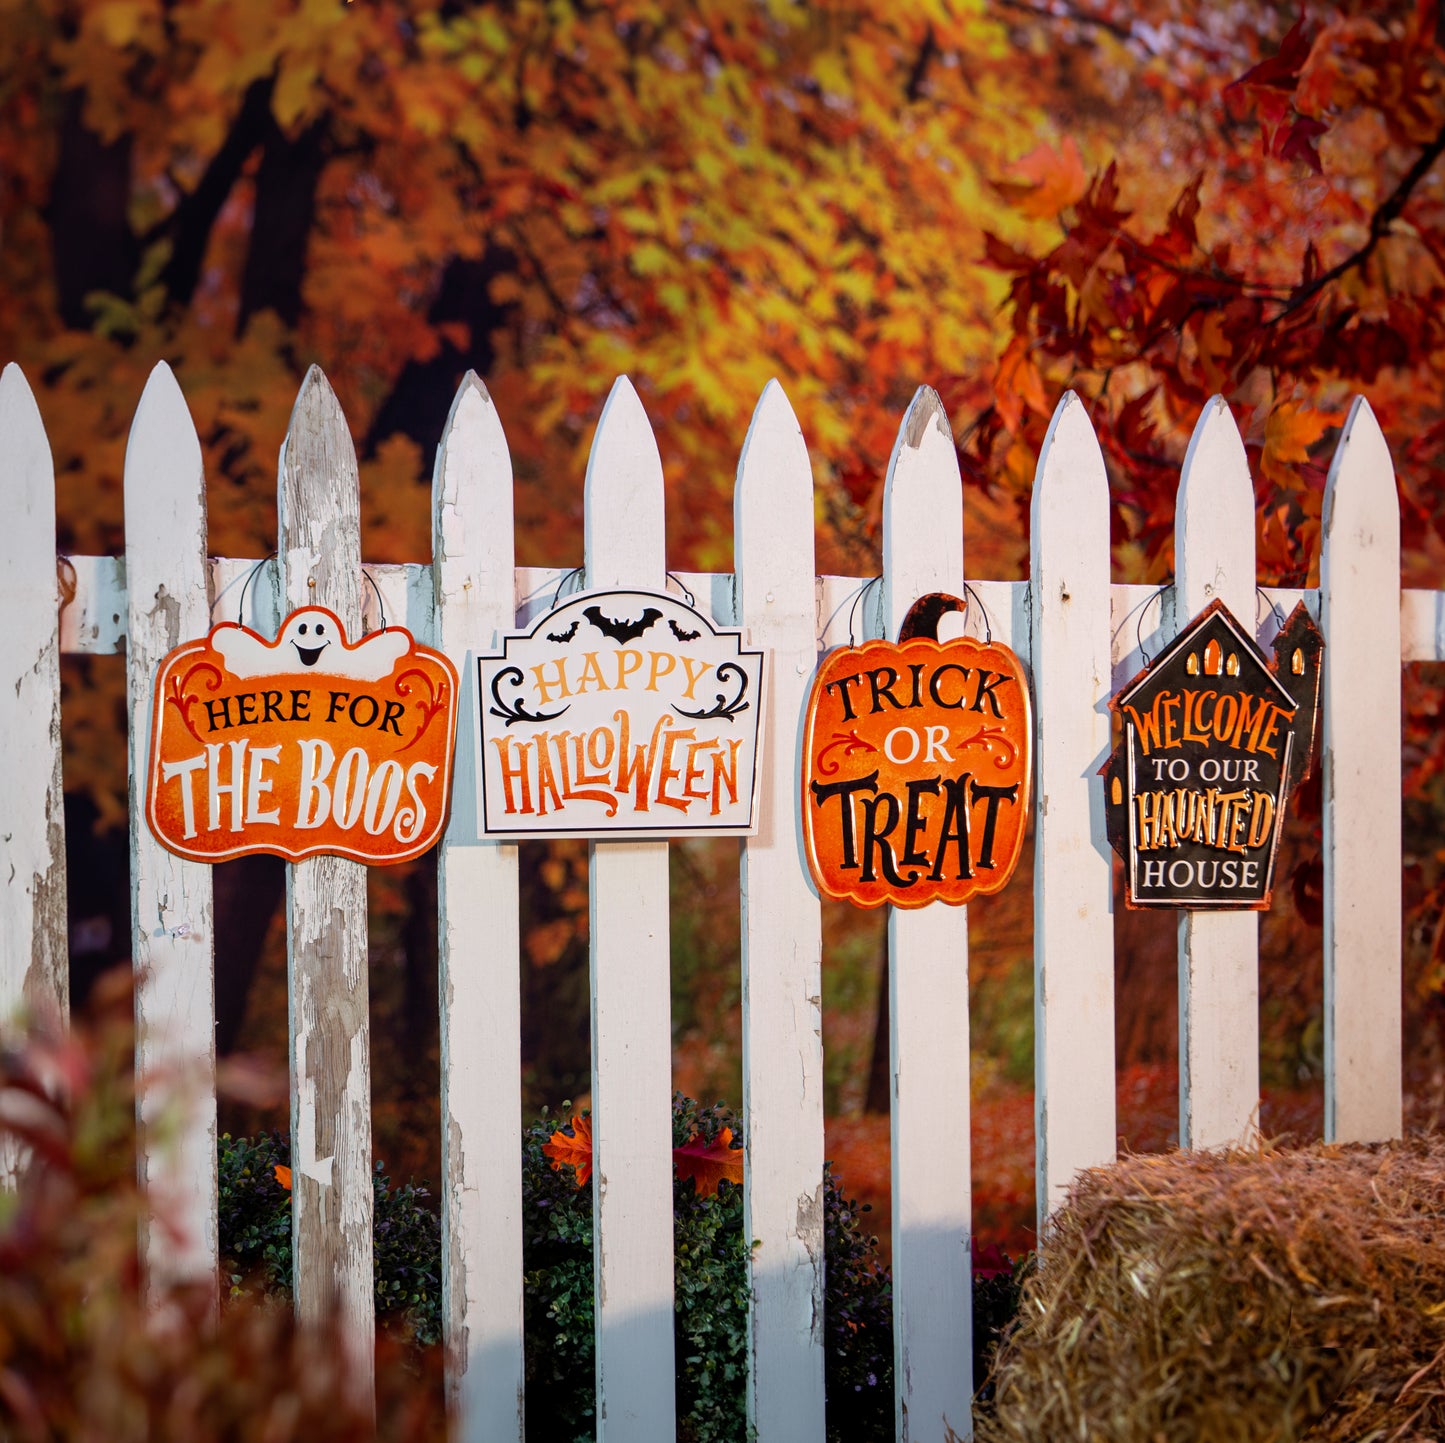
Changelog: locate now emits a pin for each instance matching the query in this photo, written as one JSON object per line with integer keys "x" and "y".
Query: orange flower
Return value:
{"x": 283, "y": 1175}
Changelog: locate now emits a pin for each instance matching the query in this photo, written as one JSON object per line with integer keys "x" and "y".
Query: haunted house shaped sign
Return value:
{"x": 1214, "y": 739}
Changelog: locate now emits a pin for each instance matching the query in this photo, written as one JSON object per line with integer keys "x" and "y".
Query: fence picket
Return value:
{"x": 781, "y": 943}
{"x": 1218, "y": 951}
{"x": 1073, "y": 863}
{"x": 928, "y": 997}
{"x": 479, "y": 952}
{"x": 34, "y": 960}
{"x": 631, "y": 995}
{"x": 319, "y": 544}
{"x": 171, "y": 920}
{"x": 1360, "y": 614}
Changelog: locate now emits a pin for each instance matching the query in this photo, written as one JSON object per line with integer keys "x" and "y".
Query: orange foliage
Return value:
{"x": 574, "y": 1150}
{"x": 709, "y": 1163}
{"x": 706, "y": 1163}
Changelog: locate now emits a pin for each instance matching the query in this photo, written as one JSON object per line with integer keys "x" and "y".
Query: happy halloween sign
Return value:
{"x": 1214, "y": 740}
{"x": 620, "y": 714}
{"x": 301, "y": 745}
{"x": 916, "y": 766}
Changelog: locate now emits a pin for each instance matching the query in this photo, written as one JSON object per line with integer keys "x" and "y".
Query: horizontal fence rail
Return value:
{"x": 1081, "y": 637}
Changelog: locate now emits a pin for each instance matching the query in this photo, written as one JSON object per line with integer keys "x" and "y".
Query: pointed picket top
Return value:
{"x": 1070, "y": 471}
{"x": 781, "y": 942}
{"x": 623, "y": 497}
{"x": 1361, "y": 769}
{"x": 1360, "y": 490}
{"x": 472, "y": 515}
{"x": 923, "y": 503}
{"x": 34, "y": 964}
{"x": 163, "y": 466}
{"x": 168, "y": 595}
{"x": 319, "y": 506}
{"x": 27, "y": 451}
{"x": 1214, "y": 520}
{"x": 773, "y": 515}
{"x": 1073, "y": 868}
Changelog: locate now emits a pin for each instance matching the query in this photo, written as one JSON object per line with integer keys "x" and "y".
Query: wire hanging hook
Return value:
{"x": 969, "y": 597}
{"x": 858, "y": 597}
{"x": 1139, "y": 625}
{"x": 380, "y": 604}
{"x": 1276, "y": 610}
{"x": 691, "y": 600}
{"x": 245, "y": 586}
{"x": 567, "y": 576}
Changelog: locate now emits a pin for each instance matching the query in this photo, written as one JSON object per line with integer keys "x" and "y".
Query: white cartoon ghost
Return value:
{"x": 311, "y": 641}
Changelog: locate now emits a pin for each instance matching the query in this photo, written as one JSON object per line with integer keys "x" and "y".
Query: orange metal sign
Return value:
{"x": 302, "y": 745}
{"x": 917, "y": 769}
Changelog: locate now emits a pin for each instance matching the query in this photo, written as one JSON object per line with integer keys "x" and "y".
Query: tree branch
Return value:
{"x": 1384, "y": 217}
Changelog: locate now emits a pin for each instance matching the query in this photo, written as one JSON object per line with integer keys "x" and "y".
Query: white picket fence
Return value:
{"x": 1077, "y": 633}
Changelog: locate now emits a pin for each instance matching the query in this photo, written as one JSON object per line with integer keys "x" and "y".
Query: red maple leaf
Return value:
{"x": 709, "y": 1163}
{"x": 575, "y": 1150}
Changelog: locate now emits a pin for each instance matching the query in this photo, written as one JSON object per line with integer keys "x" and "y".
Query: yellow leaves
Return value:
{"x": 651, "y": 259}
{"x": 120, "y": 22}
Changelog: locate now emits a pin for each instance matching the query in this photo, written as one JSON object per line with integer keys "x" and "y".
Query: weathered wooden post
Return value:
{"x": 168, "y": 602}
{"x": 319, "y": 547}
{"x": 34, "y": 962}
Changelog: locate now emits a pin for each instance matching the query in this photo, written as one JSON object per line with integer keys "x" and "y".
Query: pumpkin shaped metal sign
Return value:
{"x": 917, "y": 766}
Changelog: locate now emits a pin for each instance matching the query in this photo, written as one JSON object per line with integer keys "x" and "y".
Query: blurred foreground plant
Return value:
{"x": 83, "y": 1356}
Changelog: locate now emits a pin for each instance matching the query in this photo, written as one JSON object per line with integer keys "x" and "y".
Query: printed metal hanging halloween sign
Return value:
{"x": 619, "y": 714}
{"x": 302, "y": 745}
{"x": 1214, "y": 739}
{"x": 917, "y": 763}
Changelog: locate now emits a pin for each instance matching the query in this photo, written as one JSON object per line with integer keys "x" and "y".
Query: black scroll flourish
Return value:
{"x": 517, "y": 711}
{"x": 721, "y": 706}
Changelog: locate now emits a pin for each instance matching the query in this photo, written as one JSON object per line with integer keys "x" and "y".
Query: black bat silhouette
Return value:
{"x": 564, "y": 635}
{"x": 680, "y": 634}
{"x": 622, "y": 630}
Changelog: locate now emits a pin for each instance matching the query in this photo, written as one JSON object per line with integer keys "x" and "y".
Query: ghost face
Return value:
{"x": 309, "y": 634}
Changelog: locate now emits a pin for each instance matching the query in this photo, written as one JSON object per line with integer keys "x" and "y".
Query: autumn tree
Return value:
{"x": 1291, "y": 256}
{"x": 702, "y": 195}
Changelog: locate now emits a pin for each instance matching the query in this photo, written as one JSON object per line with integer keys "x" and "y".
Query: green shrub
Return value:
{"x": 711, "y": 1300}
{"x": 254, "y": 1214}
{"x": 711, "y": 1287}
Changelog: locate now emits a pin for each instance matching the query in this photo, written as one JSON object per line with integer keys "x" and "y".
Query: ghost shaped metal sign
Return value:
{"x": 302, "y": 745}
{"x": 1215, "y": 737}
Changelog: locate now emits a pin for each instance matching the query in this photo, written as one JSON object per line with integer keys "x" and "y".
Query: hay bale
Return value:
{"x": 1274, "y": 1295}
